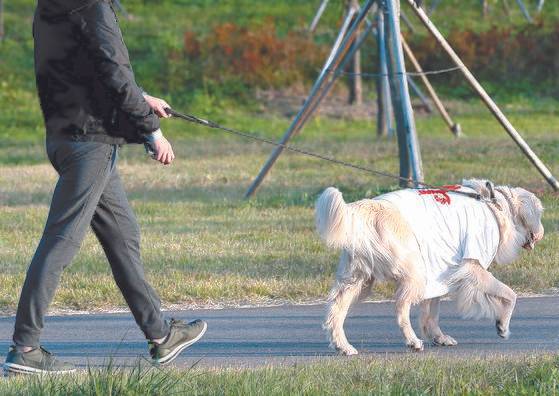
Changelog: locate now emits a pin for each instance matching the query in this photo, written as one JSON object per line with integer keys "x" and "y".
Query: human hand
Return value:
{"x": 158, "y": 105}
{"x": 163, "y": 152}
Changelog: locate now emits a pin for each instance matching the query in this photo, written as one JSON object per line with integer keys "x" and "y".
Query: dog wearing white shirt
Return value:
{"x": 431, "y": 243}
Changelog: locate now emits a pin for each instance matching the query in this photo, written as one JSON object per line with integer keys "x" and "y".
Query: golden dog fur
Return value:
{"x": 377, "y": 244}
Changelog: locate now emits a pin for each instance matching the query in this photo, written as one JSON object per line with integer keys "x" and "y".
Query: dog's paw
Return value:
{"x": 348, "y": 351}
{"x": 415, "y": 345}
{"x": 444, "y": 340}
{"x": 502, "y": 331}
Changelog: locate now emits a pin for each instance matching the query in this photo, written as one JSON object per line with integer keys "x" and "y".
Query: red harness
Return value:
{"x": 441, "y": 196}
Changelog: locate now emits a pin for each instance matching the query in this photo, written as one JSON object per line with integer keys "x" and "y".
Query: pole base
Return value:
{"x": 456, "y": 130}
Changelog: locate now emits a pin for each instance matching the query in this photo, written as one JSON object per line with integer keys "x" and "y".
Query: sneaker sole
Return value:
{"x": 181, "y": 347}
{"x": 19, "y": 369}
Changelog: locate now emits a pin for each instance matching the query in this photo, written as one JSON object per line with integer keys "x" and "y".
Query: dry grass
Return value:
{"x": 204, "y": 244}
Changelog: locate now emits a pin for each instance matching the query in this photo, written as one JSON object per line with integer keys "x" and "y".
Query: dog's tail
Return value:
{"x": 333, "y": 218}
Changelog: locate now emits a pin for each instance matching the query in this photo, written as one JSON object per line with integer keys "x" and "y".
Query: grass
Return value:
{"x": 409, "y": 375}
{"x": 204, "y": 244}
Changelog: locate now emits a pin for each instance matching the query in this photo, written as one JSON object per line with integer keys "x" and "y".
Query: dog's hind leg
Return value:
{"x": 430, "y": 323}
{"x": 403, "y": 305}
{"x": 341, "y": 297}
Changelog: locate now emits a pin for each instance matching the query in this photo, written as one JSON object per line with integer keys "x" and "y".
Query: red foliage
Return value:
{"x": 499, "y": 54}
{"x": 258, "y": 56}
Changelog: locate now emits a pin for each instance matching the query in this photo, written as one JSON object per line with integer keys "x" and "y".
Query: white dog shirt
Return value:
{"x": 449, "y": 228}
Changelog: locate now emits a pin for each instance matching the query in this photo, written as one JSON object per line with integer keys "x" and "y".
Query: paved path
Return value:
{"x": 289, "y": 334}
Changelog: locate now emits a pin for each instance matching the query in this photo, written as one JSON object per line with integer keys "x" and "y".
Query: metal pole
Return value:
{"x": 318, "y": 15}
{"x": 454, "y": 127}
{"x": 407, "y": 21}
{"x": 385, "y": 112}
{"x": 415, "y": 88}
{"x": 315, "y": 92}
{"x": 509, "y": 128}
{"x": 524, "y": 11}
{"x": 408, "y": 144}
{"x": 335, "y": 74}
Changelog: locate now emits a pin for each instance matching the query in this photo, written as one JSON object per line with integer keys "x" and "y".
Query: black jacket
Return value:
{"x": 86, "y": 85}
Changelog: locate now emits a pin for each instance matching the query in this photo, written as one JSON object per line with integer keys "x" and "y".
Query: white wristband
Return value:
{"x": 154, "y": 136}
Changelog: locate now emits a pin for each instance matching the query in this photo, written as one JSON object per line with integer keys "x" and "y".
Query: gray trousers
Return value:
{"x": 88, "y": 192}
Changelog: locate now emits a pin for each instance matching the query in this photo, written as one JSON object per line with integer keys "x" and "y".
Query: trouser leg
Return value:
{"x": 84, "y": 169}
{"x": 116, "y": 228}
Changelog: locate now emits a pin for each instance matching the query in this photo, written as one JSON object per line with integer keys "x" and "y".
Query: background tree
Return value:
{"x": 355, "y": 81}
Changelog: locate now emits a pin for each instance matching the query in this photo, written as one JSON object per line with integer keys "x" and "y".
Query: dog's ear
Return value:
{"x": 482, "y": 187}
{"x": 489, "y": 187}
{"x": 529, "y": 211}
{"x": 491, "y": 190}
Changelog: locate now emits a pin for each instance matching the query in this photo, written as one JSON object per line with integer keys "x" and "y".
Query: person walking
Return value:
{"x": 91, "y": 106}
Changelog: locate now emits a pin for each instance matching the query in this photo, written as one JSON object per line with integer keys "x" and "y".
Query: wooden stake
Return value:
{"x": 384, "y": 102}
{"x": 495, "y": 110}
{"x": 355, "y": 81}
{"x": 484, "y": 8}
{"x": 454, "y": 127}
{"x": 318, "y": 15}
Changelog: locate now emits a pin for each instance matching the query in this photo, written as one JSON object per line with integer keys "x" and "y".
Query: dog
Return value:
{"x": 431, "y": 243}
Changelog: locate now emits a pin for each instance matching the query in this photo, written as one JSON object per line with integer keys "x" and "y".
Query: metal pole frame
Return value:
{"x": 491, "y": 105}
{"x": 524, "y": 11}
{"x": 343, "y": 30}
{"x": 318, "y": 91}
{"x": 407, "y": 21}
{"x": 335, "y": 75}
{"x": 408, "y": 144}
{"x": 539, "y": 8}
{"x": 419, "y": 93}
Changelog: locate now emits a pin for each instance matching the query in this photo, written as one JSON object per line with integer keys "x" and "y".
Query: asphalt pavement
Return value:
{"x": 288, "y": 334}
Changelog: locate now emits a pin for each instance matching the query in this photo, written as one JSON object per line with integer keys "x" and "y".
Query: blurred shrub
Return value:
{"x": 514, "y": 57}
{"x": 231, "y": 60}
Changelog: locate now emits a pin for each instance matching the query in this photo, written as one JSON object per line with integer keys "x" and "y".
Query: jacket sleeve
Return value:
{"x": 103, "y": 38}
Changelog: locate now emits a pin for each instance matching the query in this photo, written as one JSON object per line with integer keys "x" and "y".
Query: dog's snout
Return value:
{"x": 539, "y": 234}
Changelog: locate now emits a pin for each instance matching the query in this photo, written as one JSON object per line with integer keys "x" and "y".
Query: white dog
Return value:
{"x": 431, "y": 243}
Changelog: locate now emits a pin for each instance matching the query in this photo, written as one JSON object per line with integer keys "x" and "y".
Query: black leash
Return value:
{"x": 214, "y": 125}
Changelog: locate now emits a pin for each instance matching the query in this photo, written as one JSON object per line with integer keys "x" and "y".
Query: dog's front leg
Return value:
{"x": 505, "y": 306}
{"x": 430, "y": 323}
{"x": 403, "y": 306}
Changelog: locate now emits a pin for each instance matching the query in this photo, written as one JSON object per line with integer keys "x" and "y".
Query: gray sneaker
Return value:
{"x": 181, "y": 336}
{"x": 36, "y": 361}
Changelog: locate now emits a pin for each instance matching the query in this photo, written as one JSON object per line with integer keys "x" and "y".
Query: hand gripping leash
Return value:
{"x": 214, "y": 125}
